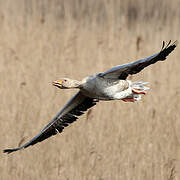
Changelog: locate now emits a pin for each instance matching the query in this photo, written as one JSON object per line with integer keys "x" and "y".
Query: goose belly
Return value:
{"x": 115, "y": 93}
{"x": 105, "y": 91}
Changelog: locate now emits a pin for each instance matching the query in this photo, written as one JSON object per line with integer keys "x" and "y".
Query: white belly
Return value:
{"x": 101, "y": 91}
{"x": 122, "y": 94}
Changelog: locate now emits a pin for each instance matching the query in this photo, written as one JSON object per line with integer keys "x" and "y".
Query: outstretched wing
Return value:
{"x": 122, "y": 71}
{"x": 69, "y": 113}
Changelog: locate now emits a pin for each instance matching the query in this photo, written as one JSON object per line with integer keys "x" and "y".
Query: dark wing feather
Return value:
{"x": 122, "y": 71}
{"x": 74, "y": 108}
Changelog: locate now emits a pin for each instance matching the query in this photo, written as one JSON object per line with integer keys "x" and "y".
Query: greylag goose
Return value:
{"x": 109, "y": 85}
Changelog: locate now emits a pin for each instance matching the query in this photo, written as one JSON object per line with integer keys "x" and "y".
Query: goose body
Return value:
{"x": 109, "y": 85}
{"x": 104, "y": 89}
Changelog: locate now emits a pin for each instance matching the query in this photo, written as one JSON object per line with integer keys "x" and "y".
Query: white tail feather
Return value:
{"x": 140, "y": 87}
{"x": 137, "y": 97}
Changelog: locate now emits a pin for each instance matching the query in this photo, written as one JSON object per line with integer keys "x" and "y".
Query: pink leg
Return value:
{"x": 138, "y": 91}
{"x": 128, "y": 100}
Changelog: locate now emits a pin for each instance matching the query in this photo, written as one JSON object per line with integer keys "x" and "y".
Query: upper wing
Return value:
{"x": 122, "y": 71}
{"x": 75, "y": 107}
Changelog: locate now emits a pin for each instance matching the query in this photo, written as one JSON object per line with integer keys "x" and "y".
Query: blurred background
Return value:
{"x": 41, "y": 41}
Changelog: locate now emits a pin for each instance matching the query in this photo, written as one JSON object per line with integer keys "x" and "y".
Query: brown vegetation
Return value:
{"x": 41, "y": 41}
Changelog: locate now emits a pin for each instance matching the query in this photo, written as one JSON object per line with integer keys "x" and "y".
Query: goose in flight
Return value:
{"x": 109, "y": 85}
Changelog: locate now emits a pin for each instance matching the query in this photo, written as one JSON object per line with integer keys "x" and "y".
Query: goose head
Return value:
{"x": 66, "y": 83}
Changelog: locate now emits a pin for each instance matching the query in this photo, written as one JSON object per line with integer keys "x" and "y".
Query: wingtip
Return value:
{"x": 8, "y": 151}
{"x": 163, "y": 45}
{"x": 169, "y": 44}
{"x": 175, "y": 43}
